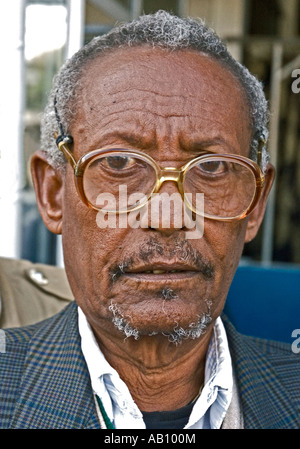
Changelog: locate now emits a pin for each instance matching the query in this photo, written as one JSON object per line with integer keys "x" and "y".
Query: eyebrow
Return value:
{"x": 194, "y": 145}
{"x": 134, "y": 140}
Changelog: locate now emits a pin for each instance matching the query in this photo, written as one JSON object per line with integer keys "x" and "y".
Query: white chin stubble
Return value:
{"x": 195, "y": 329}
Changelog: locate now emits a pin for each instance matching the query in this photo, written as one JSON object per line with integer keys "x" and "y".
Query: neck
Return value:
{"x": 160, "y": 375}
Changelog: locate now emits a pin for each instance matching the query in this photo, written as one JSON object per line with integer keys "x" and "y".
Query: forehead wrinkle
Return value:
{"x": 180, "y": 89}
{"x": 115, "y": 130}
{"x": 172, "y": 102}
{"x": 123, "y": 87}
{"x": 147, "y": 116}
{"x": 156, "y": 103}
{"x": 144, "y": 135}
{"x": 120, "y": 101}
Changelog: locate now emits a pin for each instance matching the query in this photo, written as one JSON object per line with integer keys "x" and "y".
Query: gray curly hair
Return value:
{"x": 162, "y": 30}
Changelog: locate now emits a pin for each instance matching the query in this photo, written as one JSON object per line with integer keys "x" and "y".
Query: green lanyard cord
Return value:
{"x": 109, "y": 424}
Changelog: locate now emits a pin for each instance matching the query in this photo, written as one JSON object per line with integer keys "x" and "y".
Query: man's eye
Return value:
{"x": 119, "y": 162}
{"x": 213, "y": 167}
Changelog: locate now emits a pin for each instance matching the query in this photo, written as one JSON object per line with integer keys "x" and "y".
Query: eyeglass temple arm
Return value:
{"x": 262, "y": 142}
{"x": 62, "y": 142}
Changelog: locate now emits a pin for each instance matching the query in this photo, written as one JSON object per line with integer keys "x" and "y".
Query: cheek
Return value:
{"x": 225, "y": 244}
{"x": 226, "y": 240}
{"x": 88, "y": 267}
{"x": 80, "y": 233}
{"x": 88, "y": 250}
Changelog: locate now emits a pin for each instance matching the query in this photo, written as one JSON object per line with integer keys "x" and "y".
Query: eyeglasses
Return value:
{"x": 231, "y": 184}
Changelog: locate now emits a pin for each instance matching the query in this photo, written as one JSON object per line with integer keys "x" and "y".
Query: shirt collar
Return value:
{"x": 106, "y": 382}
{"x": 210, "y": 407}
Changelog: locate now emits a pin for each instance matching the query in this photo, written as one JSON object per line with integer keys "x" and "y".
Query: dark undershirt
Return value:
{"x": 174, "y": 419}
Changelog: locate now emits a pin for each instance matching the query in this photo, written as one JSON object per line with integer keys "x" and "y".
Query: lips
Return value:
{"x": 151, "y": 264}
{"x": 162, "y": 271}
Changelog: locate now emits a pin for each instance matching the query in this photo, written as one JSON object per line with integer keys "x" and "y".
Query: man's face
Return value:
{"x": 171, "y": 106}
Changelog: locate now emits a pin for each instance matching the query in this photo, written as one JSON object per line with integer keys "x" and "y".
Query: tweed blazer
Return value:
{"x": 44, "y": 380}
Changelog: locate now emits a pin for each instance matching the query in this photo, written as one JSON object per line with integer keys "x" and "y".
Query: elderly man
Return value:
{"x": 157, "y": 106}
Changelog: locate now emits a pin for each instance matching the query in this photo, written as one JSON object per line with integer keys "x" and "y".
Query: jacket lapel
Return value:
{"x": 262, "y": 375}
{"x": 55, "y": 391}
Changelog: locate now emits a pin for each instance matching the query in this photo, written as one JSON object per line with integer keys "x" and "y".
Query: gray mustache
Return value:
{"x": 180, "y": 250}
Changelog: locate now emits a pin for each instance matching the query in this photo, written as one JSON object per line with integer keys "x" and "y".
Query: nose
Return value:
{"x": 166, "y": 207}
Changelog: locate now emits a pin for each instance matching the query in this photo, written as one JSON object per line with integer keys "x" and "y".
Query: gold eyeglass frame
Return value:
{"x": 163, "y": 174}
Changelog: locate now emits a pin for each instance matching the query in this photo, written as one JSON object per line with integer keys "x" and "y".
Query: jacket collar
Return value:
{"x": 55, "y": 391}
{"x": 266, "y": 401}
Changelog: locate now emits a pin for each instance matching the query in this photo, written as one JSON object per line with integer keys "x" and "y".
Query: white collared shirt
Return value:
{"x": 209, "y": 409}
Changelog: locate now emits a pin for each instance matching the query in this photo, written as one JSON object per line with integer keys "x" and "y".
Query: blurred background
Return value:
{"x": 36, "y": 36}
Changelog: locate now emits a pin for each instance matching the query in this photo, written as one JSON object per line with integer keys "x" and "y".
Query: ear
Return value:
{"x": 48, "y": 184}
{"x": 256, "y": 216}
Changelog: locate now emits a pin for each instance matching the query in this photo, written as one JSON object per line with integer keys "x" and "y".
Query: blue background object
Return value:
{"x": 265, "y": 302}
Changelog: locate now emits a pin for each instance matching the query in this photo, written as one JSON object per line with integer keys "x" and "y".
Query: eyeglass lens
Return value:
{"x": 228, "y": 187}
{"x": 108, "y": 175}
